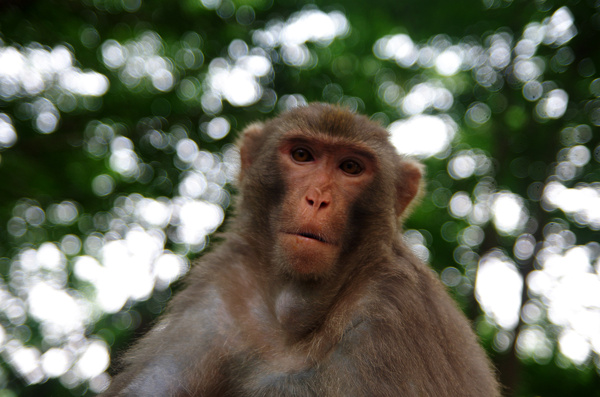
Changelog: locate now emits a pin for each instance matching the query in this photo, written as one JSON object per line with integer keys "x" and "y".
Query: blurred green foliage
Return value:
{"x": 110, "y": 111}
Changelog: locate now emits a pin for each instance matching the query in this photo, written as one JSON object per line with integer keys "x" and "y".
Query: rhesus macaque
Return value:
{"x": 313, "y": 291}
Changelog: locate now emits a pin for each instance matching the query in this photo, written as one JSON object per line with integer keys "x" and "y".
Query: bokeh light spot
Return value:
{"x": 103, "y": 185}
{"x": 218, "y": 128}
{"x": 422, "y": 135}
{"x": 498, "y": 289}
{"x": 8, "y": 135}
{"x": 508, "y": 212}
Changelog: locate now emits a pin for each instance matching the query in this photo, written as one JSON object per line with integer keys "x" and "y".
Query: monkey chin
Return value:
{"x": 307, "y": 257}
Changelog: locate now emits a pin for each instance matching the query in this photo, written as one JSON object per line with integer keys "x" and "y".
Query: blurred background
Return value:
{"x": 117, "y": 119}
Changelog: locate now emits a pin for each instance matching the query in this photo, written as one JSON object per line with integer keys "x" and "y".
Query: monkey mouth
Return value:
{"x": 312, "y": 236}
{"x": 309, "y": 235}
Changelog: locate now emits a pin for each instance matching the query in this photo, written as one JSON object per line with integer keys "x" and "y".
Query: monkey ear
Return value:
{"x": 409, "y": 185}
{"x": 249, "y": 144}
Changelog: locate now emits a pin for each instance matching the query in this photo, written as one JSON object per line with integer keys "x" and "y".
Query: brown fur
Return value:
{"x": 358, "y": 315}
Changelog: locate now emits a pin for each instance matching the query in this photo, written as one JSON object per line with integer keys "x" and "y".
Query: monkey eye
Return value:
{"x": 351, "y": 167}
{"x": 302, "y": 155}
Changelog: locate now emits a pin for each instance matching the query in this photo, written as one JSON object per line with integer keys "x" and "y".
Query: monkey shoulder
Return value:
{"x": 202, "y": 334}
{"x": 416, "y": 317}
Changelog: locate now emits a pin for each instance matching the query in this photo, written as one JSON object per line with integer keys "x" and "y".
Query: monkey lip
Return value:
{"x": 312, "y": 236}
{"x": 309, "y": 236}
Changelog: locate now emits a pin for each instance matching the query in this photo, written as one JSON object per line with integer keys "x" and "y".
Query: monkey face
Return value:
{"x": 323, "y": 177}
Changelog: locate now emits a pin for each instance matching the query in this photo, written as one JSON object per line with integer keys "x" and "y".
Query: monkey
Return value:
{"x": 312, "y": 290}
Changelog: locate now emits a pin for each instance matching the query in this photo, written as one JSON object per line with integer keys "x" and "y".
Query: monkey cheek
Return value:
{"x": 307, "y": 256}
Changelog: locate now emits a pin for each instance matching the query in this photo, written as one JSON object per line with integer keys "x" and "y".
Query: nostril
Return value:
{"x": 317, "y": 200}
{"x": 317, "y": 204}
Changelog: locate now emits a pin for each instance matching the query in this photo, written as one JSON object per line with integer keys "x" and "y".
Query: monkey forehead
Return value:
{"x": 333, "y": 120}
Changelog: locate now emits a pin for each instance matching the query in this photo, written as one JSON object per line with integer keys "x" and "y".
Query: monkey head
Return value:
{"x": 320, "y": 181}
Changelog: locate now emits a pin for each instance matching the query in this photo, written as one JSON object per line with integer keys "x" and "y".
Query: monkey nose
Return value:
{"x": 317, "y": 204}
{"x": 317, "y": 199}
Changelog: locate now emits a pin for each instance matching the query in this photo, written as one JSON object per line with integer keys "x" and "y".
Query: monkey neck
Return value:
{"x": 300, "y": 306}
